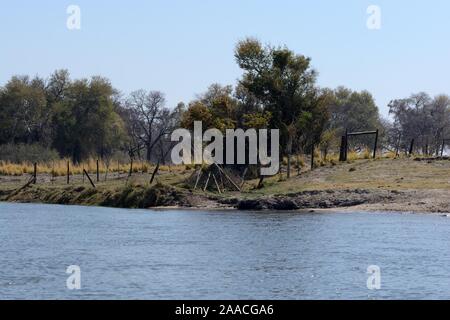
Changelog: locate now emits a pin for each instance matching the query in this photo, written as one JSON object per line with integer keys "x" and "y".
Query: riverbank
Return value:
{"x": 382, "y": 184}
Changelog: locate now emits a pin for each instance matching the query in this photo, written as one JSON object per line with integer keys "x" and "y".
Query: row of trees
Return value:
{"x": 423, "y": 119}
{"x": 83, "y": 118}
{"x": 88, "y": 117}
{"x": 278, "y": 90}
{"x": 77, "y": 118}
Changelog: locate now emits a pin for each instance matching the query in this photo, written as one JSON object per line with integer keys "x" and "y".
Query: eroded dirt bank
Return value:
{"x": 381, "y": 185}
{"x": 160, "y": 195}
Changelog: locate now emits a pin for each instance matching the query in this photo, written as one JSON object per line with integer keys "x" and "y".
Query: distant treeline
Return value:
{"x": 82, "y": 118}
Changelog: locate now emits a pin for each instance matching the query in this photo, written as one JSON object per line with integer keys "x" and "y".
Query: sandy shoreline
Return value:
{"x": 348, "y": 200}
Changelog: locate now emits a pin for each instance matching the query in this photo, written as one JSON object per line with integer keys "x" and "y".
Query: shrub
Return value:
{"x": 18, "y": 153}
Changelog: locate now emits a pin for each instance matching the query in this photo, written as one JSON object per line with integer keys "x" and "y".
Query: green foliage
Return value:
{"x": 354, "y": 111}
{"x": 216, "y": 109}
{"x": 257, "y": 120}
{"x": 197, "y": 112}
{"x": 77, "y": 118}
{"x": 284, "y": 84}
{"x": 85, "y": 122}
{"x": 18, "y": 153}
{"x": 86, "y": 118}
{"x": 24, "y": 112}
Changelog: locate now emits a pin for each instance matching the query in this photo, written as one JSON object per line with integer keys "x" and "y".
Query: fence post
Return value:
{"x": 98, "y": 173}
{"x": 68, "y": 172}
{"x": 131, "y": 168}
{"x": 89, "y": 178}
{"x": 342, "y": 149}
{"x": 442, "y": 149}
{"x": 346, "y": 145}
{"x": 261, "y": 181}
{"x": 154, "y": 173}
{"x": 312, "y": 157}
{"x": 35, "y": 173}
{"x": 53, "y": 172}
{"x": 376, "y": 145}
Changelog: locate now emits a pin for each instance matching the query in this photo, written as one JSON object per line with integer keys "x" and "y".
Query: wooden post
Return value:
{"x": 98, "y": 172}
{"x": 260, "y": 182}
{"x": 200, "y": 173}
{"x": 411, "y": 147}
{"x": 83, "y": 173}
{"x": 442, "y": 149}
{"x": 261, "y": 177}
{"x": 53, "y": 172}
{"x": 376, "y": 145}
{"x": 35, "y": 173}
{"x": 131, "y": 168}
{"x": 154, "y": 173}
{"x": 346, "y": 145}
{"x": 68, "y": 172}
{"x": 312, "y": 157}
{"x": 217, "y": 184}
{"x": 228, "y": 178}
{"x": 207, "y": 181}
{"x": 89, "y": 178}
{"x": 342, "y": 149}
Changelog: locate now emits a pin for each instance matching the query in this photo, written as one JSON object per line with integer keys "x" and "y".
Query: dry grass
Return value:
{"x": 380, "y": 173}
{"x": 400, "y": 174}
{"x": 59, "y": 168}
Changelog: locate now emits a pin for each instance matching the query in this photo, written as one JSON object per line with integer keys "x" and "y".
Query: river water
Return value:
{"x": 143, "y": 254}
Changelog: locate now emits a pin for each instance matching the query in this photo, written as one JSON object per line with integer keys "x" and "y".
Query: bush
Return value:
{"x": 19, "y": 153}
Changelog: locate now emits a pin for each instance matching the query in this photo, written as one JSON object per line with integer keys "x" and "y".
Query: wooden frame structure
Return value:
{"x": 344, "y": 142}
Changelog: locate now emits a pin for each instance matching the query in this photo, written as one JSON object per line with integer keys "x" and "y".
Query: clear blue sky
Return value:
{"x": 182, "y": 46}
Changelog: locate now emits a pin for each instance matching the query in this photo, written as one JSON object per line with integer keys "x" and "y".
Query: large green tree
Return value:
{"x": 285, "y": 85}
{"x": 350, "y": 111}
{"x": 353, "y": 111}
{"x": 24, "y": 112}
{"x": 85, "y": 121}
